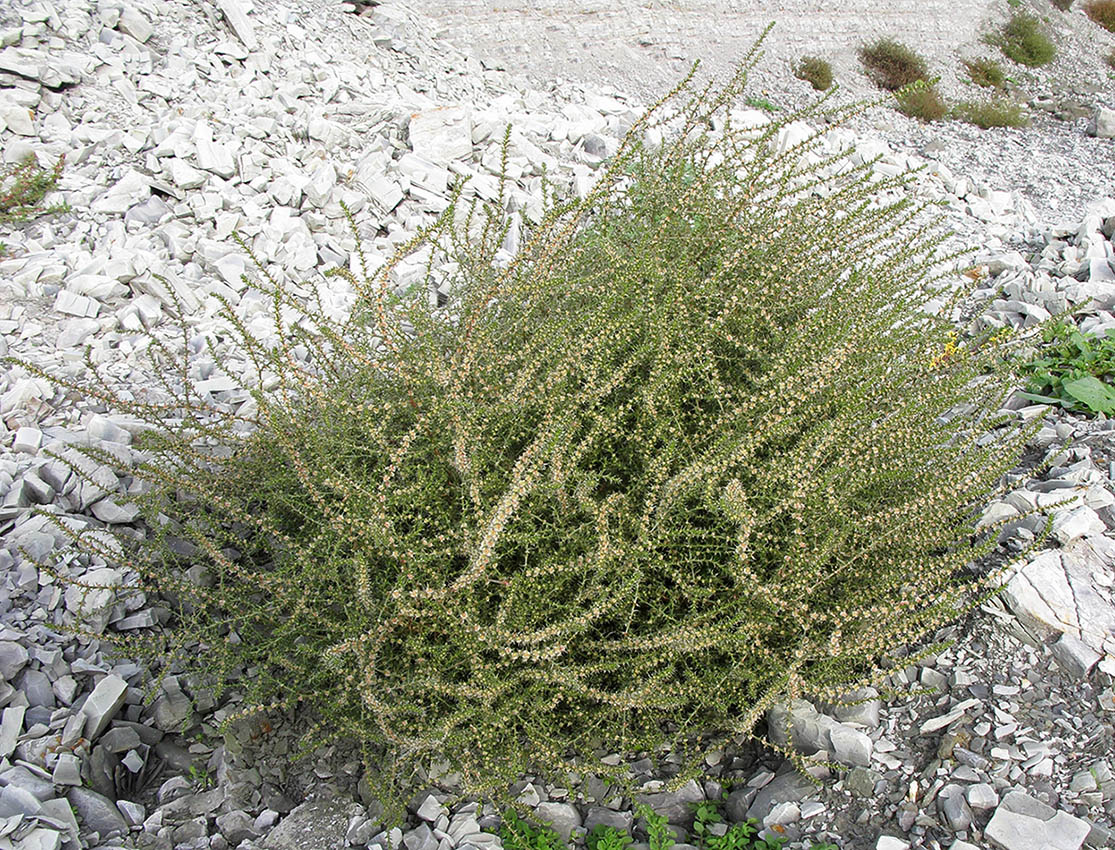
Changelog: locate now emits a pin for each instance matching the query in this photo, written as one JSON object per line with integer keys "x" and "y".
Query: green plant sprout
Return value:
{"x": 1074, "y": 370}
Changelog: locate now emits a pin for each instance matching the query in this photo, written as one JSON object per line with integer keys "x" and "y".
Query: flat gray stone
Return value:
{"x": 1102, "y": 123}
{"x": 850, "y": 746}
{"x": 13, "y": 658}
{"x": 11, "y": 726}
{"x": 420, "y": 838}
{"x": 18, "y": 801}
{"x": 314, "y": 825}
{"x": 866, "y": 710}
{"x": 1023, "y": 823}
{"x": 97, "y": 813}
{"x": 173, "y": 708}
{"x": 21, "y": 777}
{"x": 598, "y": 815}
{"x": 1075, "y": 656}
{"x": 789, "y": 786}
{"x": 676, "y": 806}
{"x": 562, "y": 817}
{"x": 68, "y": 770}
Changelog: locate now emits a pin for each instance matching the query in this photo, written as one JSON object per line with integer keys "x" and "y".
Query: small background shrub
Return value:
{"x": 1063, "y": 5}
{"x": 815, "y": 71}
{"x": 1102, "y": 12}
{"x": 1074, "y": 370}
{"x": 1110, "y": 59}
{"x": 891, "y": 64}
{"x": 1023, "y": 40}
{"x": 1000, "y": 112}
{"x": 986, "y": 73}
{"x": 624, "y": 491}
{"x": 922, "y": 102}
{"x": 23, "y": 186}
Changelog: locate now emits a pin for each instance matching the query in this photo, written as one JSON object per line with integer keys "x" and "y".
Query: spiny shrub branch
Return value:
{"x": 695, "y": 448}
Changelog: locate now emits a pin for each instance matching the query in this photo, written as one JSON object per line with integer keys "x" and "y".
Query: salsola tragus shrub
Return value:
{"x": 921, "y": 101}
{"x": 997, "y": 112}
{"x": 815, "y": 71}
{"x": 695, "y": 448}
{"x": 1102, "y": 12}
{"x": 986, "y": 73}
{"x": 1024, "y": 40}
{"x": 891, "y": 64}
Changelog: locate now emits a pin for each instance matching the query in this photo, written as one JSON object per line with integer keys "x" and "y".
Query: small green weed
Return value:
{"x": 924, "y": 103}
{"x": 659, "y": 836}
{"x": 1103, "y": 13}
{"x": 23, "y": 185}
{"x": 1074, "y": 370}
{"x": 986, "y": 73}
{"x": 1023, "y": 40}
{"x": 891, "y": 64}
{"x": 815, "y": 71}
{"x": 985, "y": 114}
{"x": 761, "y": 103}
{"x": 607, "y": 838}
{"x": 1014, "y": 4}
{"x": 519, "y": 834}
{"x": 199, "y": 776}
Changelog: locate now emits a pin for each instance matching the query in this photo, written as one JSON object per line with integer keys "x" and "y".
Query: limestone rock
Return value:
{"x": 1022, "y": 823}
{"x": 1102, "y": 124}
{"x": 314, "y": 825}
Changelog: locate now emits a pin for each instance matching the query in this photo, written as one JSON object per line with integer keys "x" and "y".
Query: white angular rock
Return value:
{"x": 442, "y": 134}
{"x": 103, "y": 704}
{"x": 27, "y": 440}
{"x": 134, "y": 23}
{"x": 238, "y": 19}
{"x": 982, "y": 796}
{"x": 211, "y": 155}
{"x": 18, "y": 119}
{"x": 1102, "y": 123}
{"x": 1079, "y": 522}
{"x": 129, "y": 190}
{"x": 73, "y": 304}
{"x": 889, "y": 842}
{"x": 184, "y": 175}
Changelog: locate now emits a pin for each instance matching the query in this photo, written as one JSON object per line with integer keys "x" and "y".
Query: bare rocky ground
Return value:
{"x": 642, "y": 47}
{"x": 183, "y": 122}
